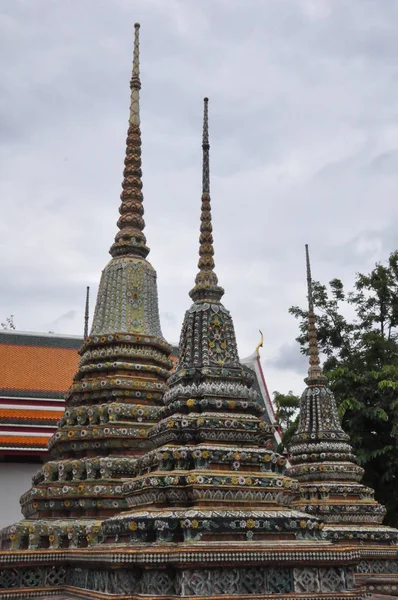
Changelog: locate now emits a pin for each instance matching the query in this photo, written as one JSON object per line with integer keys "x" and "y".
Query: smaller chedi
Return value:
{"x": 323, "y": 462}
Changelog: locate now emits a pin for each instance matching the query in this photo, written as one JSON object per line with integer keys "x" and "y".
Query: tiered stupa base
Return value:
{"x": 234, "y": 570}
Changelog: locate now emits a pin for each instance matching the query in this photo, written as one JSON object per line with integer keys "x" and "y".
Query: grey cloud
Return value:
{"x": 170, "y": 318}
{"x": 303, "y": 100}
{"x": 385, "y": 163}
{"x": 289, "y": 358}
{"x": 71, "y": 314}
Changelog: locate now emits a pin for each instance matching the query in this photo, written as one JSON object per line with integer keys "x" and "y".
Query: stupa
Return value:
{"x": 209, "y": 508}
{"x": 323, "y": 462}
{"x": 116, "y": 393}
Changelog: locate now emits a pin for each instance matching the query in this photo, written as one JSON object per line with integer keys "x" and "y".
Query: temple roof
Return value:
{"x": 253, "y": 362}
{"x": 39, "y": 364}
{"x": 37, "y": 370}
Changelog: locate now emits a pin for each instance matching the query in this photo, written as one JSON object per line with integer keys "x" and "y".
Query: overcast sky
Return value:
{"x": 304, "y": 149}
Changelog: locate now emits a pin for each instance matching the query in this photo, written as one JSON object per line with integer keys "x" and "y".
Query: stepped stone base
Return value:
{"x": 241, "y": 571}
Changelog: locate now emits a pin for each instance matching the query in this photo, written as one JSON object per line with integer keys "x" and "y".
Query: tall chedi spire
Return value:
{"x": 117, "y": 391}
{"x": 130, "y": 240}
{"x": 315, "y": 374}
{"x": 207, "y": 511}
{"x": 206, "y": 282}
{"x": 323, "y": 462}
{"x": 127, "y": 298}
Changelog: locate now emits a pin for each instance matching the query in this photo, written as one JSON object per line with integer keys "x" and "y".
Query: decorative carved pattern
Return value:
{"x": 160, "y": 583}
{"x": 127, "y": 299}
{"x": 252, "y": 581}
{"x": 233, "y": 581}
{"x": 31, "y": 577}
{"x": 213, "y": 581}
{"x": 195, "y": 582}
{"x": 332, "y": 579}
{"x": 306, "y": 580}
{"x": 206, "y": 582}
{"x": 280, "y": 581}
{"x": 378, "y": 566}
{"x": 8, "y": 579}
{"x": 56, "y": 576}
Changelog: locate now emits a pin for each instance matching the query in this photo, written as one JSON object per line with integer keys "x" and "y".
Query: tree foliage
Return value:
{"x": 287, "y": 412}
{"x": 358, "y": 336}
{"x": 8, "y": 323}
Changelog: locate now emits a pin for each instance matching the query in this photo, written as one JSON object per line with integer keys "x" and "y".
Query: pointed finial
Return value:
{"x": 86, "y": 313}
{"x": 135, "y": 83}
{"x": 315, "y": 373}
{"x": 309, "y": 280}
{"x": 206, "y": 149}
{"x": 130, "y": 240}
{"x": 260, "y": 344}
{"x": 206, "y": 282}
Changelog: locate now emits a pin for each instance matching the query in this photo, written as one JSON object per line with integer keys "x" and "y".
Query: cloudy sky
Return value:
{"x": 304, "y": 149}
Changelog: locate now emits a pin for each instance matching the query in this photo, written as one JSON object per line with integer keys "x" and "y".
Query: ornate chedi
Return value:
{"x": 116, "y": 393}
{"x": 209, "y": 512}
{"x": 323, "y": 462}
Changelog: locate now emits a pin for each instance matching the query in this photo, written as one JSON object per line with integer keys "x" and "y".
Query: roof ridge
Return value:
{"x": 41, "y": 334}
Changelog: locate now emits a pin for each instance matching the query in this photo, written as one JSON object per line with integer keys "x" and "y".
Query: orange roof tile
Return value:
{"x": 24, "y": 440}
{"x": 37, "y": 368}
{"x": 31, "y": 415}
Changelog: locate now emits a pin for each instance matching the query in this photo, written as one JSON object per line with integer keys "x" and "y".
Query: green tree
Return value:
{"x": 8, "y": 323}
{"x": 287, "y": 414}
{"x": 358, "y": 335}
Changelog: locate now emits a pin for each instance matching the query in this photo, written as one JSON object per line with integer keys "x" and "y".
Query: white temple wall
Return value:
{"x": 15, "y": 479}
